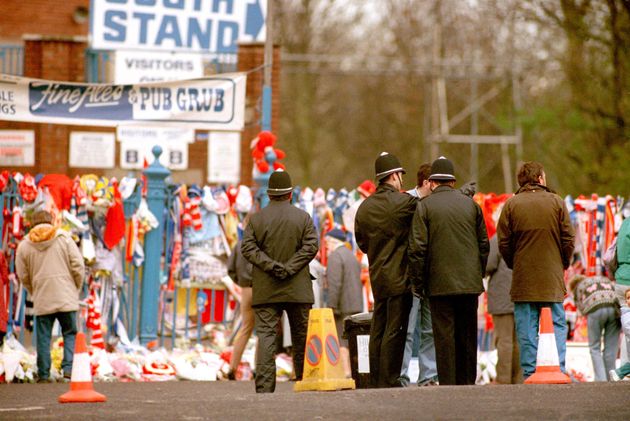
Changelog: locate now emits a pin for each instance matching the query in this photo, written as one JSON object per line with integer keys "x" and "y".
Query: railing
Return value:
{"x": 12, "y": 59}
{"x": 130, "y": 293}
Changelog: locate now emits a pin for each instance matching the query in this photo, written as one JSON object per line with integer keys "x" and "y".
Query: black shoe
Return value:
{"x": 430, "y": 382}
{"x": 231, "y": 375}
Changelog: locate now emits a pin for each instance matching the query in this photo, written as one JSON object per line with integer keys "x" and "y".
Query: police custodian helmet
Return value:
{"x": 387, "y": 164}
{"x": 279, "y": 183}
{"x": 442, "y": 170}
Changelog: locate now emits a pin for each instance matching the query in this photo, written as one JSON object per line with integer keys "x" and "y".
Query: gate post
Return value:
{"x": 153, "y": 244}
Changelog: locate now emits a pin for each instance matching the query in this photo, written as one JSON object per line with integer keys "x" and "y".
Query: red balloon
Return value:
{"x": 263, "y": 166}
{"x": 280, "y": 153}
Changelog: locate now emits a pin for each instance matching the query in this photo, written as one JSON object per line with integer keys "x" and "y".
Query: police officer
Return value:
{"x": 382, "y": 228}
{"x": 279, "y": 241}
{"x": 448, "y": 250}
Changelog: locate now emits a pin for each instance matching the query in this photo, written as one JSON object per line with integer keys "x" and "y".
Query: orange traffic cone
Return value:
{"x": 81, "y": 382}
{"x": 547, "y": 360}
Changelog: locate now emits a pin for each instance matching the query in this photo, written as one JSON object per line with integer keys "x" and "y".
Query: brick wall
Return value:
{"x": 50, "y": 17}
{"x": 60, "y": 55}
{"x": 53, "y": 59}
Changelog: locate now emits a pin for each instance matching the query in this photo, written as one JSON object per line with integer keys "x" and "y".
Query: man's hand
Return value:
{"x": 469, "y": 189}
{"x": 417, "y": 291}
{"x": 280, "y": 272}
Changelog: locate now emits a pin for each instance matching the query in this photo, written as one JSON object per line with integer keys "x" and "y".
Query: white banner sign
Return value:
{"x": 134, "y": 153}
{"x": 17, "y": 147}
{"x": 214, "y": 26}
{"x": 92, "y": 150}
{"x": 214, "y": 103}
{"x": 224, "y": 157}
{"x": 154, "y": 135}
{"x": 140, "y": 67}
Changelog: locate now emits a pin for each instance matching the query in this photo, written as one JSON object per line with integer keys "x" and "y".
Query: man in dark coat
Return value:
{"x": 280, "y": 241}
{"x": 501, "y": 307}
{"x": 382, "y": 231}
{"x": 536, "y": 240}
{"x": 420, "y": 331}
{"x": 448, "y": 249}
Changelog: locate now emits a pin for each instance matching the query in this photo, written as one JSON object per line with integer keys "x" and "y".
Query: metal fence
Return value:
{"x": 12, "y": 59}
{"x": 99, "y": 64}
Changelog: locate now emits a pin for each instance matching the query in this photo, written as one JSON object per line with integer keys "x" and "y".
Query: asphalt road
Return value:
{"x": 237, "y": 400}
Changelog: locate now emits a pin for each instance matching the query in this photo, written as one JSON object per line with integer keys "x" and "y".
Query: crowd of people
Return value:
{"x": 428, "y": 252}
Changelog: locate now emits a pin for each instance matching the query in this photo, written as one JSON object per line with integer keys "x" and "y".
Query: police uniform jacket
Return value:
{"x": 280, "y": 241}
{"x": 536, "y": 240}
{"x": 382, "y": 232}
{"x": 448, "y": 244}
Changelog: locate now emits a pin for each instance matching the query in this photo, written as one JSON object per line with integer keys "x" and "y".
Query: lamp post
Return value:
{"x": 266, "y": 91}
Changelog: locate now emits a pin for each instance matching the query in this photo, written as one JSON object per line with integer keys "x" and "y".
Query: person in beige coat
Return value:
{"x": 50, "y": 266}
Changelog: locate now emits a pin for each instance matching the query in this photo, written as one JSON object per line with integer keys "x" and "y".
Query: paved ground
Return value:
{"x": 237, "y": 400}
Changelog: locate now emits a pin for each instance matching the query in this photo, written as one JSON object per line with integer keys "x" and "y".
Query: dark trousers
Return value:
{"x": 388, "y": 333}
{"x": 44, "y": 323}
{"x": 509, "y": 363}
{"x": 454, "y": 320}
{"x": 267, "y": 317}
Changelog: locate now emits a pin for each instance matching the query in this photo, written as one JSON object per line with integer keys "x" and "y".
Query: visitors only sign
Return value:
{"x": 156, "y": 66}
{"x": 213, "y": 103}
{"x": 214, "y": 26}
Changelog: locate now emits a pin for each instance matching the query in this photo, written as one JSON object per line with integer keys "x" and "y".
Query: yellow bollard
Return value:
{"x": 323, "y": 369}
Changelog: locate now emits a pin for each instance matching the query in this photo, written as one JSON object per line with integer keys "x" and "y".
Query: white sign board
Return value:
{"x": 140, "y": 67}
{"x": 224, "y": 157}
{"x": 214, "y": 26}
{"x": 92, "y": 150}
{"x": 17, "y": 148}
{"x": 363, "y": 351}
{"x": 154, "y": 135}
{"x": 133, "y": 154}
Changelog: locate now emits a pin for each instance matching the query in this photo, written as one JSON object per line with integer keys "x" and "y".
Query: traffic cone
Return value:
{"x": 547, "y": 360}
{"x": 323, "y": 369}
{"x": 81, "y": 382}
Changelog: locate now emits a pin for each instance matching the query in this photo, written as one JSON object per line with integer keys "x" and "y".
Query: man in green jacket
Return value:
{"x": 536, "y": 240}
{"x": 50, "y": 266}
{"x": 280, "y": 241}
{"x": 622, "y": 275}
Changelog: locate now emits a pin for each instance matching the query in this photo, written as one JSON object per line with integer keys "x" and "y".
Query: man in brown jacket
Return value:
{"x": 50, "y": 267}
{"x": 536, "y": 240}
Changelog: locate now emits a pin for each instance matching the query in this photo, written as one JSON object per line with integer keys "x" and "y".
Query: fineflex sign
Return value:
{"x": 214, "y": 26}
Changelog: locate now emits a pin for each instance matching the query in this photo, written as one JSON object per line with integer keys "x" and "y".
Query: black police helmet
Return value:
{"x": 279, "y": 183}
{"x": 442, "y": 170}
{"x": 387, "y": 164}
